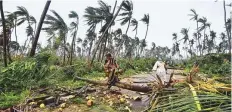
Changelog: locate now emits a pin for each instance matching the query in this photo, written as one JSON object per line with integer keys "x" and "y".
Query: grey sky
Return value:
{"x": 166, "y": 16}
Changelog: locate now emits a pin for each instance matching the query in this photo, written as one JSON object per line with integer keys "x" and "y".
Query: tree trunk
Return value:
{"x": 122, "y": 39}
{"x": 64, "y": 50}
{"x": 103, "y": 53}
{"x": 4, "y": 35}
{"x": 8, "y": 47}
{"x": 90, "y": 48}
{"x": 24, "y": 46}
{"x": 73, "y": 45}
{"x": 198, "y": 38}
{"x": 144, "y": 40}
{"x": 202, "y": 51}
{"x": 120, "y": 84}
{"x": 94, "y": 54}
{"x": 91, "y": 45}
{"x": 128, "y": 26}
{"x": 16, "y": 37}
{"x": 35, "y": 41}
{"x": 146, "y": 32}
{"x": 227, "y": 30}
{"x": 136, "y": 32}
{"x": 99, "y": 54}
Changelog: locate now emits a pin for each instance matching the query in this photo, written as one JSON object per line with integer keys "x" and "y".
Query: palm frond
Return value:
{"x": 73, "y": 14}
{"x": 145, "y": 19}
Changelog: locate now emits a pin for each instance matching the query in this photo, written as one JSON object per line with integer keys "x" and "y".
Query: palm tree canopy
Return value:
{"x": 204, "y": 23}
{"x": 56, "y": 23}
{"x": 73, "y": 14}
{"x": 194, "y": 15}
{"x": 184, "y": 32}
{"x": 134, "y": 22}
{"x": 127, "y": 7}
{"x": 174, "y": 36}
{"x": 145, "y": 19}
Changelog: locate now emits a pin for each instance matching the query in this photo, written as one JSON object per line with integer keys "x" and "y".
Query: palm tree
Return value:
{"x": 137, "y": 42}
{"x": 111, "y": 21}
{"x": 153, "y": 48}
{"x": 91, "y": 36}
{"x": 10, "y": 25}
{"x": 184, "y": 32}
{"x": 143, "y": 44}
{"x": 174, "y": 37}
{"x": 134, "y": 23}
{"x": 223, "y": 45}
{"x": 57, "y": 24}
{"x": 228, "y": 26}
{"x": 127, "y": 7}
{"x": 211, "y": 42}
{"x": 194, "y": 16}
{"x": 84, "y": 45}
{"x": 33, "y": 49}
{"x": 24, "y": 15}
{"x": 11, "y": 20}
{"x": 4, "y": 35}
{"x": 73, "y": 28}
{"x": 145, "y": 20}
{"x": 191, "y": 43}
{"x": 204, "y": 26}
{"x": 228, "y": 31}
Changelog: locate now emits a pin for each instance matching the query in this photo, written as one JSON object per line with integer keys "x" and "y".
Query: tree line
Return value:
{"x": 100, "y": 41}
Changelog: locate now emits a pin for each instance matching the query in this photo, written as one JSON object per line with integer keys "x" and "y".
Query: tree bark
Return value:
{"x": 35, "y": 41}
{"x": 94, "y": 54}
{"x": 120, "y": 84}
{"x": 4, "y": 35}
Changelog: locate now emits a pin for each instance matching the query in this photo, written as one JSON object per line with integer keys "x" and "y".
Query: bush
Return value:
{"x": 212, "y": 64}
{"x": 23, "y": 74}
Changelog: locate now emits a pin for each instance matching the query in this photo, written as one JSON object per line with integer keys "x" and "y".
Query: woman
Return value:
{"x": 110, "y": 67}
{"x": 161, "y": 71}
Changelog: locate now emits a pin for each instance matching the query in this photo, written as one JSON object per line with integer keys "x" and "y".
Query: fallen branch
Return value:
{"x": 50, "y": 98}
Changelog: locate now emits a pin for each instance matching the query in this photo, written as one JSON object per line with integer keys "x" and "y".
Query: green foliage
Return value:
{"x": 78, "y": 100}
{"x": 142, "y": 64}
{"x": 9, "y": 99}
{"x": 183, "y": 101}
{"x": 23, "y": 74}
{"x": 212, "y": 64}
{"x": 129, "y": 72}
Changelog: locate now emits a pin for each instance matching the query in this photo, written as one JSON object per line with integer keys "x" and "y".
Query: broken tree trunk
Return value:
{"x": 120, "y": 85}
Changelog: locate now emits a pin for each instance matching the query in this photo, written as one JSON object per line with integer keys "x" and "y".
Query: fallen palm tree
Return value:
{"x": 120, "y": 85}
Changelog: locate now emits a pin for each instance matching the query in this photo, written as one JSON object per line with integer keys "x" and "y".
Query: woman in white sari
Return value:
{"x": 161, "y": 71}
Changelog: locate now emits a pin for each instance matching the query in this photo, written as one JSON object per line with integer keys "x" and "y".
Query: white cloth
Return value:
{"x": 159, "y": 67}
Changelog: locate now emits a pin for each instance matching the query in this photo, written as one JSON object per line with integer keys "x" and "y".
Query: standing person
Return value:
{"x": 110, "y": 67}
{"x": 161, "y": 71}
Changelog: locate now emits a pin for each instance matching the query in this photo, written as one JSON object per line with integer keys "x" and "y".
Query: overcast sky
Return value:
{"x": 166, "y": 16}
